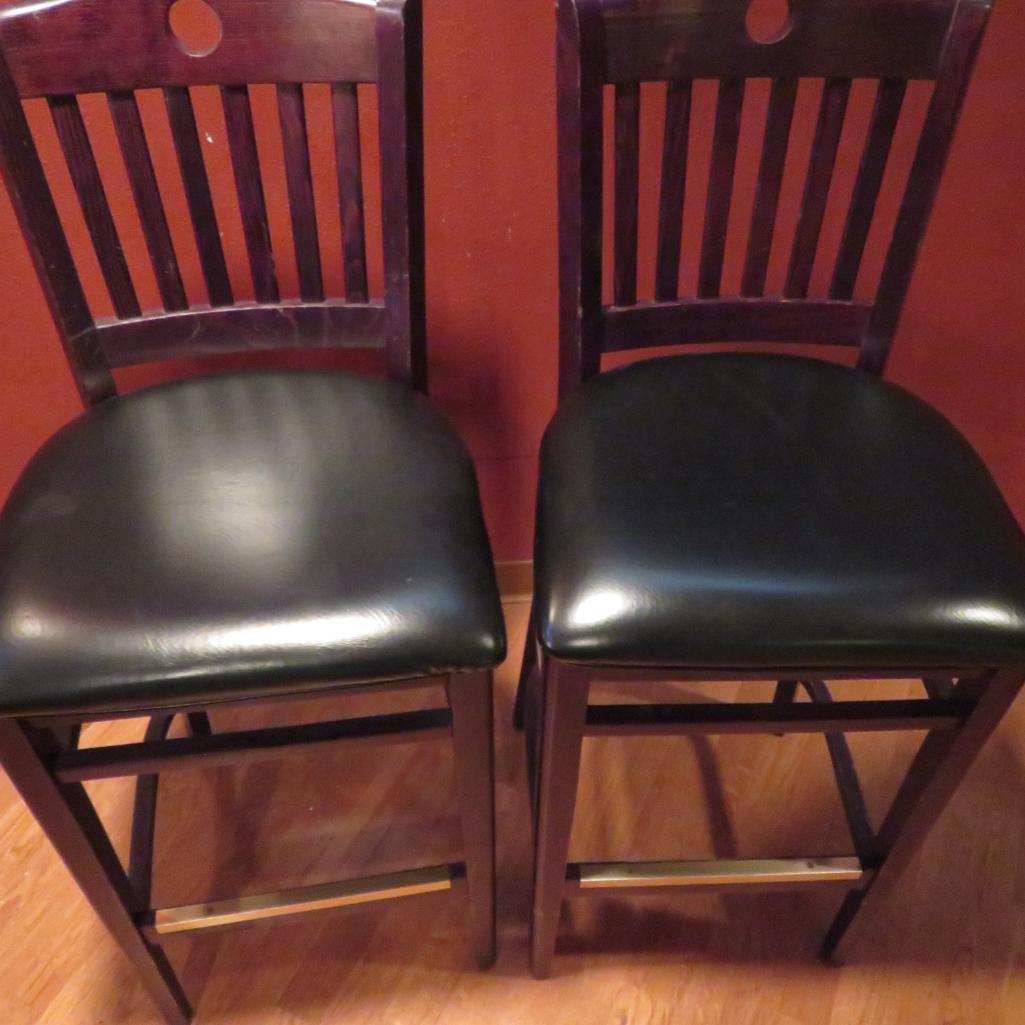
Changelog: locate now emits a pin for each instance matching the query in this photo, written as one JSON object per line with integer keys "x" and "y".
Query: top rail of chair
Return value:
{"x": 676, "y": 39}
{"x": 58, "y": 47}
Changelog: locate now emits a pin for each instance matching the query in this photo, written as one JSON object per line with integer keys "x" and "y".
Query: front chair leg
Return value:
{"x": 68, "y": 818}
{"x": 564, "y": 711}
{"x": 935, "y": 774}
{"x": 470, "y": 699}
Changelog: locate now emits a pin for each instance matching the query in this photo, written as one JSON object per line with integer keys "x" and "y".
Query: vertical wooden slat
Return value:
{"x": 675, "y": 136}
{"x": 245, "y": 160}
{"x": 889, "y": 99}
{"x": 770, "y": 178}
{"x": 816, "y": 186}
{"x": 182, "y": 119}
{"x": 33, "y": 205}
{"x": 400, "y": 128}
{"x": 348, "y": 164}
{"x": 720, "y": 185}
{"x": 124, "y": 109}
{"x": 292, "y": 113}
{"x": 628, "y": 143}
{"x": 92, "y": 198}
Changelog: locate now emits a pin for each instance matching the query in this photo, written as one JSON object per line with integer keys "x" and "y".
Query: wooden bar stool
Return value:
{"x": 246, "y": 536}
{"x": 725, "y": 516}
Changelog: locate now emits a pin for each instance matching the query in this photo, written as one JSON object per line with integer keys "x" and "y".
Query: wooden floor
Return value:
{"x": 950, "y": 949}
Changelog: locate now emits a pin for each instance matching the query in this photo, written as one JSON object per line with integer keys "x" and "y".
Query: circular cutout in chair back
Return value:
{"x": 195, "y": 26}
{"x": 768, "y": 21}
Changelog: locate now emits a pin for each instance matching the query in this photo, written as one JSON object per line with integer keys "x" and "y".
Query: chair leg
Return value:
{"x": 941, "y": 763}
{"x": 526, "y": 714}
{"x": 527, "y": 668}
{"x": 786, "y": 692}
{"x": 199, "y": 724}
{"x": 532, "y": 740}
{"x": 564, "y": 710}
{"x": 68, "y": 736}
{"x": 144, "y": 822}
{"x": 470, "y": 698}
{"x": 69, "y": 820}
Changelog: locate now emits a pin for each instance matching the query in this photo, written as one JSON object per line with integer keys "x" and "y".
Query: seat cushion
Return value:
{"x": 753, "y": 511}
{"x": 243, "y": 534}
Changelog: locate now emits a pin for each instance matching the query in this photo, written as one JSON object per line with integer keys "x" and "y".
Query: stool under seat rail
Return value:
{"x": 959, "y": 712}
{"x": 43, "y": 760}
{"x": 704, "y": 511}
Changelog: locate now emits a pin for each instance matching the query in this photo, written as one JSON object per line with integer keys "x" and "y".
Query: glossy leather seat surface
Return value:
{"x": 748, "y": 510}
{"x": 242, "y": 534}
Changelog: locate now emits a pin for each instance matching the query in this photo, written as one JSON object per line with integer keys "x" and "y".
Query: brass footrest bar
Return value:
{"x": 764, "y": 873}
{"x": 151, "y": 757}
{"x": 767, "y": 717}
{"x": 322, "y": 897}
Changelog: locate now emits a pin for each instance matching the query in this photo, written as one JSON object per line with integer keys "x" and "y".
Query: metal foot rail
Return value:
{"x": 321, "y": 897}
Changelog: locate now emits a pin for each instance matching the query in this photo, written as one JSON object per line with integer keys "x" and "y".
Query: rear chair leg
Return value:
{"x": 786, "y": 692}
{"x": 564, "y": 711}
{"x": 144, "y": 822}
{"x": 527, "y": 668}
{"x": 199, "y": 724}
{"x": 69, "y": 820}
{"x": 525, "y": 715}
{"x": 470, "y": 698}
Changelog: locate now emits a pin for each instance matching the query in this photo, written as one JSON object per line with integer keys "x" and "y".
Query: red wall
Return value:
{"x": 491, "y": 205}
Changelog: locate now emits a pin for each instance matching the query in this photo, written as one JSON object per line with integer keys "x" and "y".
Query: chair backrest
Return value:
{"x": 622, "y": 43}
{"x": 59, "y": 49}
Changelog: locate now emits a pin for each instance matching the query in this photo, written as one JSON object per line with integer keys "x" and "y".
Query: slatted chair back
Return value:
{"x": 61, "y": 49}
{"x": 623, "y": 43}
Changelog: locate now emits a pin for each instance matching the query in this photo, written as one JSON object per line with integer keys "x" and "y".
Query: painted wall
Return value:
{"x": 491, "y": 206}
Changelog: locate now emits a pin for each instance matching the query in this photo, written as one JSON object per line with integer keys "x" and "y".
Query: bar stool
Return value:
{"x": 738, "y": 515}
{"x": 247, "y": 536}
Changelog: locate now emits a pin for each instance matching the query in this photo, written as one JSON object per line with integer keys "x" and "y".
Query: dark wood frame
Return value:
{"x": 558, "y": 717}
{"x": 625, "y": 42}
{"x": 285, "y": 42}
{"x": 41, "y": 756}
{"x": 343, "y": 43}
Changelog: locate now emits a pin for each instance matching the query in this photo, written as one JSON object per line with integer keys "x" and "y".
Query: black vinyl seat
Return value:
{"x": 748, "y": 510}
{"x": 243, "y": 534}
